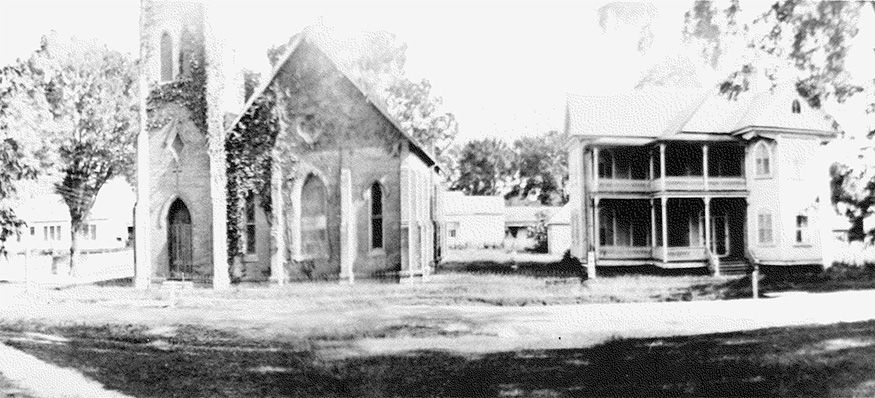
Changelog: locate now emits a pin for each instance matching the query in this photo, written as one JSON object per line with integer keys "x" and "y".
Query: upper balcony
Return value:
{"x": 687, "y": 167}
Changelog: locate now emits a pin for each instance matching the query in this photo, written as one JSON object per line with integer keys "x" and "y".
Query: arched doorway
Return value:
{"x": 179, "y": 241}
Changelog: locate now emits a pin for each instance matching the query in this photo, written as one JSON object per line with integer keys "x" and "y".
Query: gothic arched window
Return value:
{"x": 314, "y": 220}
{"x": 166, "y": 57}
{"x": 186, "y": 51}
{"x": 796, "y": 107}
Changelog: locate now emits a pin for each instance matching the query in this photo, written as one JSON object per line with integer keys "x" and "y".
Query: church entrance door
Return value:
{"x": 179, "y": 241}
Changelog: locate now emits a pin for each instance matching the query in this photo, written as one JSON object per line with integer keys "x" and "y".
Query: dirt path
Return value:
{"x": 26, "y": 376}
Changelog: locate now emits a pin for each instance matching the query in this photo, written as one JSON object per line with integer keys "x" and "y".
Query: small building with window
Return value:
{"x": 679, "y": 178}
{"x": 351, "y": 193}
{"x": 474, "y": 222}
{"x": 47, "y": 218}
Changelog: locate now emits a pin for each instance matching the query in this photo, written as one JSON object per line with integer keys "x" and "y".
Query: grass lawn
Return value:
{"x": 836, "y": 360}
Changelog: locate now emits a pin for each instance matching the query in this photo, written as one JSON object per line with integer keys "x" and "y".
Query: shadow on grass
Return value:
{"x": 561, "y": 269}
{"x": 767, "y": 362}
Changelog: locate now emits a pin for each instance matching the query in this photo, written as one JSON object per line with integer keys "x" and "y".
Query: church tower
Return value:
{"x": 181, "y": 182}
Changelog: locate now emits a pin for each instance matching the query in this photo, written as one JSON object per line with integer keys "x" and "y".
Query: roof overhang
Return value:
{"x": 750, "y": 132}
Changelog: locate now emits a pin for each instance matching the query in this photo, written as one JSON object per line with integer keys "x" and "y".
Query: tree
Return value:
{"x": 419, "y": 113}
{"x": 808, "y": 39}
{"x": 91, "y": 94}
{"x": 485, "y": 167}
{"x": 852, "y": 192}
{"x": 541, "y": 164}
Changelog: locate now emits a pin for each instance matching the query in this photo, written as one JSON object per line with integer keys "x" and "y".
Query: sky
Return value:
{"x": 502, "y": 67}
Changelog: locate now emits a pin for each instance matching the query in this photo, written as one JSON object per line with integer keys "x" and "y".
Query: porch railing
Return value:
{"x": 726, "y": 183}
{"x": 624, "y": 252}
{"x": 622, "y": 185}
{"x": 683, "y": 183}
{"x": 681, "y": 253}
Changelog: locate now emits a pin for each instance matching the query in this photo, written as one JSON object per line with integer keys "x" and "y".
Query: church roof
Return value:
{"x": 374, "y": 100}
{"x": 663, "y": 113}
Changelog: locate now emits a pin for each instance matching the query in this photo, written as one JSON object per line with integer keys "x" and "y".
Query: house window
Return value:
{"x": 314, "y": 220}
{"x": 52, "y": 233}
{"x": 88, "y": 231}
{"x": 32, "y": 231}
{"x": 606, "y": 164}
{"x": 796, "y": 107}
{"x": 452, "y": 228}
{"x": 166, "y": 57}
{"x": 765, "y": 235}
{"x": 249, "y": 235}
{"x": 377, "y": 217}
{"x": 763, "y": 160}
{"x": 802, "y": 229}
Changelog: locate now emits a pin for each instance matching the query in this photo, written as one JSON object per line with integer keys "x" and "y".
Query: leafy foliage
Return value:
{"x": 419, "y": 114}
{"x": 248, "y": 149}
{"x": 13, "y": 166}
{"x": 532, "y": 170}
{"x": 541, "y": 166}
{"x": 485, "y": 167}
{"x": 810, "y": 38}
{"x": 852, "y": 192}
{"x": 538, "y": 232}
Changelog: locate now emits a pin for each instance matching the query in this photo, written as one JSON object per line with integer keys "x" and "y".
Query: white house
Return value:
{"x": 473, "y": 221}
{"x": 47, "y": 218}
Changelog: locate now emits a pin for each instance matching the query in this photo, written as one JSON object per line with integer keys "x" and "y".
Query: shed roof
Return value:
{"x": 459, "y": 204}
{"x": 526, "y": 215}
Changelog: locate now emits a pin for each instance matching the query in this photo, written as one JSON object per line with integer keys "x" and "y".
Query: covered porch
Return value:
{"x": 632, "y": 231}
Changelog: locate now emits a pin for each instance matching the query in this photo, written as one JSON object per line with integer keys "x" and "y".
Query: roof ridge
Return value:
{"x": 674, "y": 129}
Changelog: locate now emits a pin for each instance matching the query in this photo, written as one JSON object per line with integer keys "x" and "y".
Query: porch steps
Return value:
{"x": 734, "y": 267}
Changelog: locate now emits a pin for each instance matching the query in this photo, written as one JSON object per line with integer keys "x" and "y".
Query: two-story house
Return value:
{"x": 678, "y": 179}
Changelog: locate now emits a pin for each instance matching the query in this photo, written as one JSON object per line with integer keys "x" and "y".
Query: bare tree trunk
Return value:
{"x": 74, "y": 247}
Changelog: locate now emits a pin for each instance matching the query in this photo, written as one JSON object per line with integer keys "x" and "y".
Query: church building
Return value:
{"x": 351, "y": 194}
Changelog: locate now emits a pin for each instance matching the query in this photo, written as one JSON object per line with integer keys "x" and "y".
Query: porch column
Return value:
{"x": 652, "y": 224}
{"x": 662, "y": 166}
{"x": 664, "y": 214}
{"x": 277, "y": 225}
{"x": 650, "y": 170}
{"x": 705, "y": 165}
{"x": 707, "y": 201}
{"x": 595, "y": 168}
{"x": 590, "y": 265}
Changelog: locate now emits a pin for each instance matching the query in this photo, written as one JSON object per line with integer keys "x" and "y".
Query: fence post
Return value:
{"x": 590, "y": 265}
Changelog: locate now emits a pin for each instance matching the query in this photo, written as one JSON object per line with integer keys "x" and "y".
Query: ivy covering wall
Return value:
{"x": 248, "y": 147}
